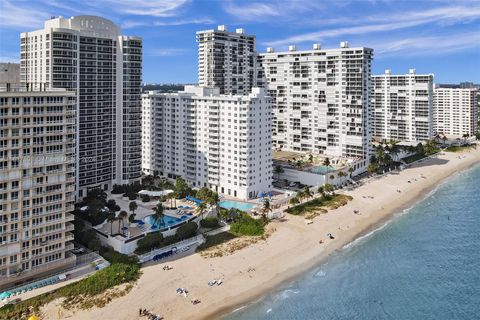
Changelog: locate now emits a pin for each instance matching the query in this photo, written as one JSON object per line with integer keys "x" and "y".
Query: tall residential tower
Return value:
{"x": 402, "y": 106}
{"x": 455, "y": 111}
{"x": 226, "y": 60}
{"x": 320, "y": 99}
{"x": 88, "y": 54}
{"x": 37, "y": 183}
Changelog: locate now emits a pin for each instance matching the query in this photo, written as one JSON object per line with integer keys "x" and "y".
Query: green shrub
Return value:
{"x": 247, "y": 226}
{"x": 150, "y": 241}
{"x": 145, "y": 198}
{"x": 186, "y": 231}
{"x": 209, "y": 222}
{"x": 116, "y": 257}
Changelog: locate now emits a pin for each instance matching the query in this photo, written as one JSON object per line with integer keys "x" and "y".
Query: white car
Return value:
{"x": 78, "y": 250}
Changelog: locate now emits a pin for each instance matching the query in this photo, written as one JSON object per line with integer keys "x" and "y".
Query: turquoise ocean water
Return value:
{"x": 423, "y": 264}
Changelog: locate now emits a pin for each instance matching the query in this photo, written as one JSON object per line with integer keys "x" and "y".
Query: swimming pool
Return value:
{"x": 322, "y": 169}
{"x": 244, "y": 206}
{"x": 167, "y": 221}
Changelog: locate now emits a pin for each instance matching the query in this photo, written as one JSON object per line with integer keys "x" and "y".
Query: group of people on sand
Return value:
{"x": 329, "y": 235}
{"x": 167, "y": 267}
{"x": 150, "y": 315}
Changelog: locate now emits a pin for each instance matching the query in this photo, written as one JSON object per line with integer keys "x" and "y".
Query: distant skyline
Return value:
{"x": 440, "y": 37}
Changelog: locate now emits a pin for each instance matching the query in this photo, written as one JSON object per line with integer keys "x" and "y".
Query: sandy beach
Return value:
{"x": 292, "y": 249}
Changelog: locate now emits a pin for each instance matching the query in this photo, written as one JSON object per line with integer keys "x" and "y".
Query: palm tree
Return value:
{"x": 321, "y": 190}
{"x": 213, "y": 200}
{"x": 326, "y": 162}
{"x": 133, "y": 206}
{"x": 278, "y": 171}
{"x": 351, "y": 170}
{"x": 328, "y": 188}
{"x": 158, "y": 213}
{"x": 202, "y": 206}
{"x": 307, "y": 193}
{"x": 111, "y": 219}
{"x": 294, "y": 201}
{"x": 122, "y": 215}
{"x": 444, "y": 138}
{"x": 266, "y": 208}
{"x": 342, "y": 174}
{"x": 300, "y": 195}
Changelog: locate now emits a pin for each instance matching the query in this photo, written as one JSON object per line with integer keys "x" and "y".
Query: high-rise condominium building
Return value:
{"x": 37, "y": 183}
{"x": 222, "y": 142}
{"x": 226, "y": 60}
{"x": 455, "y": 111}
{"x": 402, "y": 106}
{"x": 320, "y": 99}
{"x": 89, "y": 54}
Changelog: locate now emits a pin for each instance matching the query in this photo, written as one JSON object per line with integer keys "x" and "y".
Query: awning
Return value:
{"x": 155, "y": 193}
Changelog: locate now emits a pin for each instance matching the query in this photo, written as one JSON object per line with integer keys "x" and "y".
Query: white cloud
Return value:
{"x": 155, "y": 8}
{"x": 134, "y": 24}
{"x": 14, "y": 15}
{"x": 166, "y": 52}
{"x": 251, "y": 11}
{"x": 432, "y": 45}
{"x": 442, "y": 16}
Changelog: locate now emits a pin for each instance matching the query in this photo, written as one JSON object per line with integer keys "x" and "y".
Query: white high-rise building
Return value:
{"x": 402, "y": 106}
{"x": 455, "y": 111}
{"x": 226, "y": 60}
{"x": 320, "y": 99}
{"x": 89, "y": 54}
{"x": 37, "y": 183}
{"x": 222, "y": 142}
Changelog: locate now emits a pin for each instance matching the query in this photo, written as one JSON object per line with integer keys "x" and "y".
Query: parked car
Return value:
{"x": 78, "y": 250}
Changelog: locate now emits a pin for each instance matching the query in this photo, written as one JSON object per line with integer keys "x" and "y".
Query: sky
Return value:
{"x": 434, "y": 36}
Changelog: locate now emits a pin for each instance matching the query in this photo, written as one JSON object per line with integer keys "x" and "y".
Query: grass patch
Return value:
{"x": 460, "y": 148}
{"x": 226, "y": 243}
{"x": 318, "y": 205}
{"x": 82, "y": 294}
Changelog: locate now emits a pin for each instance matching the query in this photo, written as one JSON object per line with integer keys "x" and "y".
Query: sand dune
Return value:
{"x": 293, "y": 248}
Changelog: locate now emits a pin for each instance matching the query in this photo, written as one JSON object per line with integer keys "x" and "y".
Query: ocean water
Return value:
{"x": 423, "y": 264}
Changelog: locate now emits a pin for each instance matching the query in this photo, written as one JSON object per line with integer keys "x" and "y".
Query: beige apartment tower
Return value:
{"x": 37, "y": 183}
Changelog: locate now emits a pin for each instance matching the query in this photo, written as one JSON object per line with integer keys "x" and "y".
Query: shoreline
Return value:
{"x": 289, "y": 252}
{"x": 394, "y": 213}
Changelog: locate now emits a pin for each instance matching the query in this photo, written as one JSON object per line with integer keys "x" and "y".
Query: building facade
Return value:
{"x": 88, "y": 54}
{"x": 222, "y": 142}
{"x": 455, "y": 111}
{"x": 37, "y": 183}
{"x": 226, "y": 60}
{"x": 9, "y": 75}
{"x": 402, "y": 106}
{"x": 320, "y": 99}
